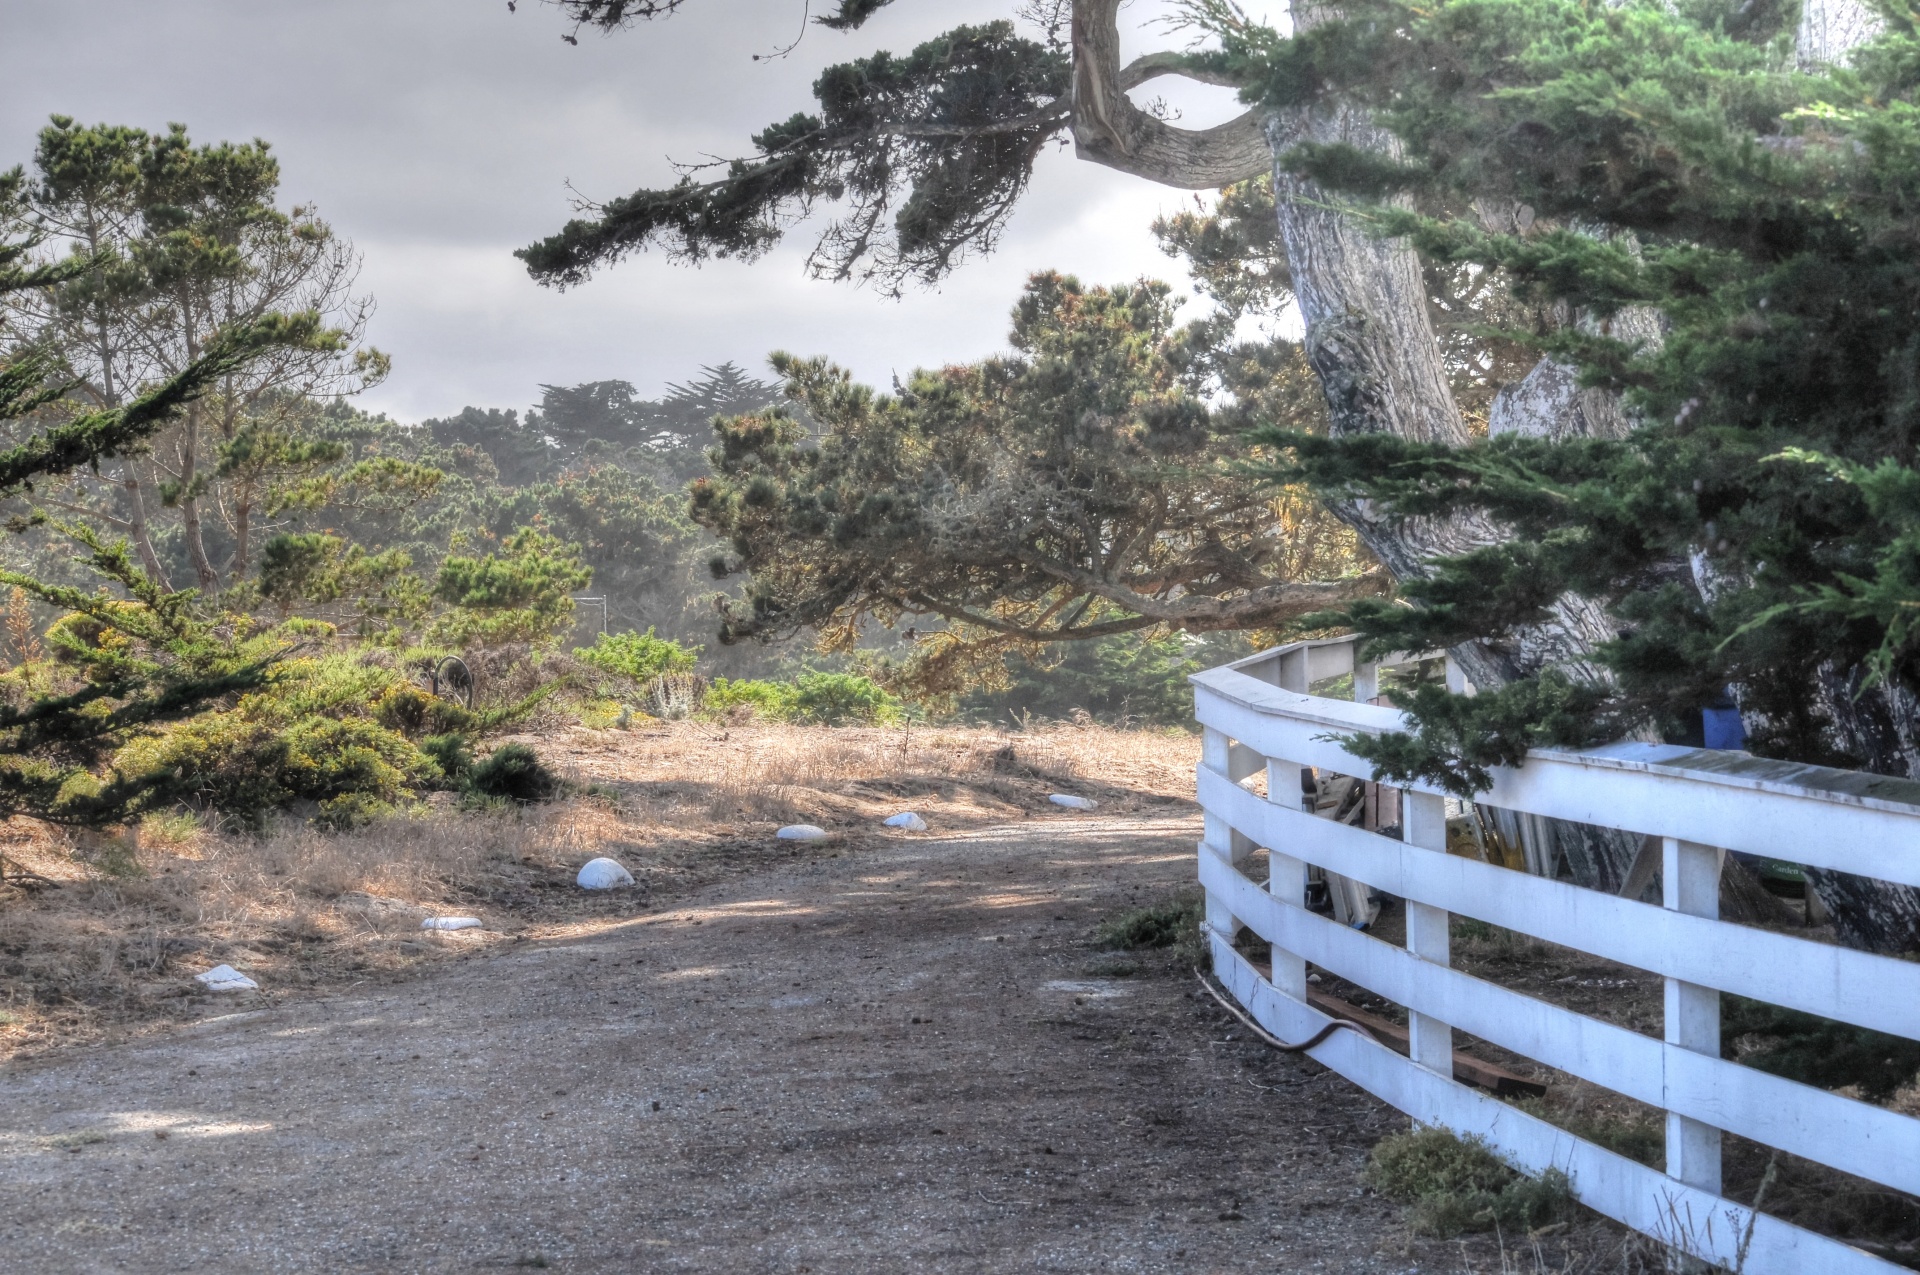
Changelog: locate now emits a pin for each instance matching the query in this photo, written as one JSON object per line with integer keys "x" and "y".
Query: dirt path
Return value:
{"x": 897, "y": 1060}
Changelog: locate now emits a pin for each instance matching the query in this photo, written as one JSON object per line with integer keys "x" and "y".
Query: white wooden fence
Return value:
{"x": 1257, "y": 715}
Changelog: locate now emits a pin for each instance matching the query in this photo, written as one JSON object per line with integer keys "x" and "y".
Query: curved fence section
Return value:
{"x": 1264, "y": 732}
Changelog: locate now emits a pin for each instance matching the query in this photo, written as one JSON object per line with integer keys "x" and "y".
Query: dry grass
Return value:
{"x": 740, "y": 777}
{"x": 111, "y": 947}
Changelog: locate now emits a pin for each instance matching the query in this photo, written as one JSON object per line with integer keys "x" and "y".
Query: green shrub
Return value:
{"x": 249, "y": 761}
{"x": 1456, "y": 1184}
{"x": 413, "y": 711}
{"x": 1161, "y": 926}
{"x": 513, "y": 772}
{"x": 1816, "y": 1051}
{"x": 773, "y": 701}
{"x": 451, "y": 753}
{"x": 638, "y": 657}
{"x": 837, "y": 699}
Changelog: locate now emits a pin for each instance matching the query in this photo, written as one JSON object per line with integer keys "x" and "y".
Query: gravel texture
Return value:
{"x": 905, "y": 1058}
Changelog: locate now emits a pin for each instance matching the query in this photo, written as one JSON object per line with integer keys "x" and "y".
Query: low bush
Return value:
{"x": 451, "y": 753}
{"x": 259, "y": 756}
{"x": 814, "y": 699}
{"x": 1816, "y": 1051}
{"x": 513, "y": 772}
{"x": 350, "y": 732}
{"x": 638, "y": 657}
{"x": 1456, "y": 1184}
{"x": 731, "y": 697}
{"x": 1162, "y": 926}
{"x": 841, "y": 699}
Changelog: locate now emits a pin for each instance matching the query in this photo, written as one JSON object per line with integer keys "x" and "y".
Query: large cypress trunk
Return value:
{"x": 1370, "y": 340}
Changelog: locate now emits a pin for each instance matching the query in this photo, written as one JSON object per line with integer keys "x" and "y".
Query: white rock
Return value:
{"x": 908, "y": 820}
{"x": 801, "y": 832}
{"x": 603, "y": 874}
{"x": 225, "y": 978}
{"x": 1071, "y": 802}
{"x": 451, "y": 923}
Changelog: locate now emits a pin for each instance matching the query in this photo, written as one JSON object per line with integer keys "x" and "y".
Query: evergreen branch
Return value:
{"x": 80, "y": 442}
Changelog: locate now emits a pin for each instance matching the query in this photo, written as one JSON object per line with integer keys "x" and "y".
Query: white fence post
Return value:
{"x": 1236, "y": 762}
{"x": 1424, "y": 817}
{"x": 1286, "y": 881}
{"x": 1690, "y": 883}
{"x": 1366, "y": 683}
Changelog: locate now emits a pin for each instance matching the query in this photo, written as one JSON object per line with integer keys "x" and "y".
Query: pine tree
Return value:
{"x": 124, "y": 663}
{"x": 1081, "y": 487}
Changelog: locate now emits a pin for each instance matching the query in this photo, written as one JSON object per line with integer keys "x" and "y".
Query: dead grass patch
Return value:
{"x": 112, "y": 945}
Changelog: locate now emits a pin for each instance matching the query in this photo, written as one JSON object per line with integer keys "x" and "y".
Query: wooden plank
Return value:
{"x": 1639, "y": 788}
{"x": 1853, "y": 1137}
{"x": 1707, "y": 1226}
{"x": 1862, "y": 988}
{"x": 1466, "y": 1068}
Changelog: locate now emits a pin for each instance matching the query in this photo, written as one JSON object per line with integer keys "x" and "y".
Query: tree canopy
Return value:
{"x": 1078, "y": 487}
{"x": 144, "y": 657}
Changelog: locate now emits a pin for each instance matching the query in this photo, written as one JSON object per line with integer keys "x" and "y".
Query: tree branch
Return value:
{"x": 1109, "y": 129}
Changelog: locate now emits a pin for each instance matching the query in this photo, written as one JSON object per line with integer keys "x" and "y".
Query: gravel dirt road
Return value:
{"x": 903, "y": 1058}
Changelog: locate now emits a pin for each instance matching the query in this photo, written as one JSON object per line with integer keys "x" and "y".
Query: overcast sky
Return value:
{"x": 440, "y": 135}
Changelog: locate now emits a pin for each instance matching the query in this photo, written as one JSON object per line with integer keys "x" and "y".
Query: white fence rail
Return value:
{"x": 1257, "y": 716}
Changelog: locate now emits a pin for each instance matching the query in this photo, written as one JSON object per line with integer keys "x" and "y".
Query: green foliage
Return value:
{"x": 513, "y": 772}
{"x": 1455, "y": 1185}
{"x": 1460, "y": 736}
{"x": 815, "y": 698}
{"x": 1816, "y": 1051}
{"x": 1133, "y": 678}
{"x": 1165, "y": 925}
{"x": 936, "y": 145}
{"x": 840, "y": 699}
{"x": 1755, "y": 530}
{"x": 638, "y": 657}
{"x": 332, "y": 730}
{"x": 524, "y": 593}
{"x": 187, "y": 247}
{"x": 369, "y": 592}
{"x": 1079, "y": 488}
{"x": 452, "y": 753}
{"x": 772, "y": 701}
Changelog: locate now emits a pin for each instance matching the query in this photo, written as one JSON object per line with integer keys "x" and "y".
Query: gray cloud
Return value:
{"x": 440, "y": 135}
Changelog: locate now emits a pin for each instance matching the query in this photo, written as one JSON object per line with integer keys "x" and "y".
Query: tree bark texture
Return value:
{"x": 133, "y": 491}
{"x": 1370, "y": 340}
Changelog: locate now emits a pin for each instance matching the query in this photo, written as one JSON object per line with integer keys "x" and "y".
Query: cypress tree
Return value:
{"x": 123, "y": 662}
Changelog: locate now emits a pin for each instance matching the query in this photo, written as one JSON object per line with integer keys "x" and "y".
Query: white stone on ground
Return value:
{"x": 1072, "y": 802}
{"x": 225, "y": 978}
{"x": 908, "y": 820}
{"x": 451, "y": 923}
{"x": 801, "y": 832}
{"x": 604, "y": 874}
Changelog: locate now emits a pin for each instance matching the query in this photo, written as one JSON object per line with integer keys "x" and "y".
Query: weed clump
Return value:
{"x": 1175, "y": 923}
{"x": 1456, "y": 1184}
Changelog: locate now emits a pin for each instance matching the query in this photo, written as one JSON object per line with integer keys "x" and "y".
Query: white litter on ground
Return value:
{"x": 1072, "y": 802}
{"x": 451, "y": 923}
{"x": 603, "y": 874}
{"x": 225, "y": 978}
{"x": 908, "y": 820}
{"x": 801, "y": 832}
